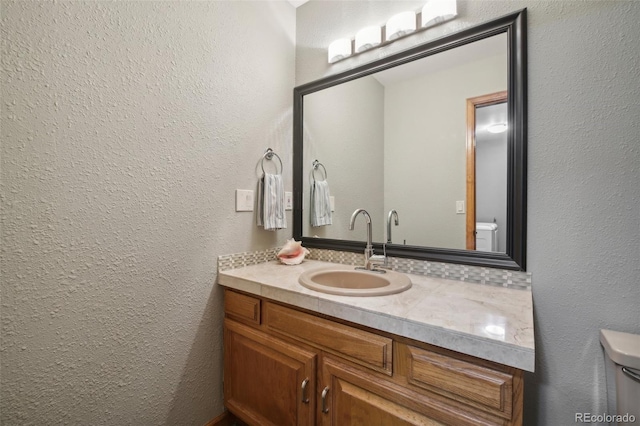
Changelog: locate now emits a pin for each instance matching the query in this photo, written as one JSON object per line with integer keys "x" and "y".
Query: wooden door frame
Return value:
{"x": 472, "y": 104}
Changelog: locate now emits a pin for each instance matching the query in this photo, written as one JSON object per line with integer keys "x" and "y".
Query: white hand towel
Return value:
{"x": 320, "y": 203}
{"x": 273, "y": 214}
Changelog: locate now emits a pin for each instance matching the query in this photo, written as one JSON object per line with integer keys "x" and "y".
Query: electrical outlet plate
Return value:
{"x": 244, "y": 200}
{"x": 288, "y": 200}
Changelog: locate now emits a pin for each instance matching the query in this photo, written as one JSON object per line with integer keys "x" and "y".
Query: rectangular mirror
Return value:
{"x": 435, "y": 133}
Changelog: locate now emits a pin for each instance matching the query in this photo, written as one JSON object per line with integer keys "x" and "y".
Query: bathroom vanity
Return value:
{"x": 442, "y": 352}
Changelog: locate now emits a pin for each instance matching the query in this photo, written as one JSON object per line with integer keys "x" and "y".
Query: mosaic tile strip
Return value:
{"x": 342, "y": 257}
{"x": 472, "y": 274}
{"x": 238, "y": 260}
{"x": 451, "y": 271}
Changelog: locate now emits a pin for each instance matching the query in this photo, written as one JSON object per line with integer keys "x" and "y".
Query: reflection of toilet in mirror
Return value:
{"x": 486, "y": 236}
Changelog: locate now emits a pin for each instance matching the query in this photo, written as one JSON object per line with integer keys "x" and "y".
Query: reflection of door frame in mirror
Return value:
{"x": 472, "y": 104}
{"x": 514, "y": 25}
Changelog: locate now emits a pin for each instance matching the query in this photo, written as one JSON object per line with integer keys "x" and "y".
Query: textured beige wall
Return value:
{"x": 344, "y": 130}
{"x": 583, "y": 206}
{"x": 425, "y": 150}
{"x": 126, "y": 127}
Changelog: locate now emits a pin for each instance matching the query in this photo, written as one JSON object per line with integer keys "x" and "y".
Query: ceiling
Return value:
{"x": 297, "y": 3}
{"x": 486, "y": 116}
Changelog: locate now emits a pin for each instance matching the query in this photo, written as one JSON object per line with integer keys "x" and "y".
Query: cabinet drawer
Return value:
{"x": 478, "y": 386}
{"x": 242, "y": 308}
{"x": 359, "y": 346}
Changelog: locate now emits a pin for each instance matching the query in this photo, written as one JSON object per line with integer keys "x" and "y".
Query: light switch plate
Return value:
{"x": 288, "y": 200}
{"x": 244, "y": 200}
{"x": 332, "y": 201}
{"x": 459, "y": 207}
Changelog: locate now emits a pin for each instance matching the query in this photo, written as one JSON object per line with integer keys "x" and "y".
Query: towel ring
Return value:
{"x": 268, "y": 154}
{"x": 315, "y": 165}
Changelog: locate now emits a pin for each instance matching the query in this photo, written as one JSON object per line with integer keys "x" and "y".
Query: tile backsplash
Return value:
{"x": 472, "y": 274}
{"x": 238, "y": 260}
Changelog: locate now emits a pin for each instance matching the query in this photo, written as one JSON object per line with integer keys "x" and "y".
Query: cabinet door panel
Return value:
{"x": 353, "y": 405}
{"x": 357, "y": 398}
{"x": 263, "y": 378}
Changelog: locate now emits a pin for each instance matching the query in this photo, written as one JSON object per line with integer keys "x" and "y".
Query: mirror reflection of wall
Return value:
{"x": 425, "y": 142}
{"x": 397, "y": 140}
{"x": 343, "y": 129}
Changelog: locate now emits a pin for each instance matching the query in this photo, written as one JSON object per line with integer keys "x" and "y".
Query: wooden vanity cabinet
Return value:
{"x": 283, "y": 366}
{"x": 267, "y": 381}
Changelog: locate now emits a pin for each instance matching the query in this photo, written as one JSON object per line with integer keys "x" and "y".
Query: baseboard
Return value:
{"x": 224, "y": 419}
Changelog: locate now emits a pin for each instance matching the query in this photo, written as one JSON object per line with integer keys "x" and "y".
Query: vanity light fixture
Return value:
{"x": 401, "y": 24}
{"x": 437, "y": 11}
{"x": 368, "y": 38}
{"x": 339, "y": 49}
{"x": 497, "y": 128}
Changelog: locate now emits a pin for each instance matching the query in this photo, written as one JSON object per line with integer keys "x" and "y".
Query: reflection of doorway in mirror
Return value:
{"x": 487, "y": 172}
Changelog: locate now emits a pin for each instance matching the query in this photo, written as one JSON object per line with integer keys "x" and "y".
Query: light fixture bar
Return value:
{"x": 438, "y": 11}
{"x": 339, "y": 49}
{"x": 368, "y": 38}
{"x": 399, "y": 25}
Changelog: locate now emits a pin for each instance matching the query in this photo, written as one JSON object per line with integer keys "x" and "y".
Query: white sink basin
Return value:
{"x": 354, "y": 282}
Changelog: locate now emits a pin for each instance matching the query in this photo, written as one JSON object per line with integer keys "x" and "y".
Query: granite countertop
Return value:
{"x": 492, "y": 323}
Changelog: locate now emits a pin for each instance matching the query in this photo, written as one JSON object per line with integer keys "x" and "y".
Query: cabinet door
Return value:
{"x": 267, "y": 381}
{"x": 353, "y": 397}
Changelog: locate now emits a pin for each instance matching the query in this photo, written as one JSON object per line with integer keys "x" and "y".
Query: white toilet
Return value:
{"x": 622, "y": 369}
{"x": 486, "y": 236}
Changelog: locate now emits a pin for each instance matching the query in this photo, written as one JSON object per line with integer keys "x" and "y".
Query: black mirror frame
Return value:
{"x": 514, "y": 25}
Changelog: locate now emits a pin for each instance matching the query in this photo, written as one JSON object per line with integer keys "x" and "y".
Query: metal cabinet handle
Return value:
{"x": 631, "y": 374}
{"x": 325, "y": 391}
{"x": 305, "y": 399}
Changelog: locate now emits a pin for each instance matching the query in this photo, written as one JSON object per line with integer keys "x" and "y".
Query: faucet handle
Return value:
{"x": 378, "y": 259}
{"x": 379, "y": 262}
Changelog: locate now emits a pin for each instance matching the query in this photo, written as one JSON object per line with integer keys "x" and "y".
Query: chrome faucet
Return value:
{"x": 392, "y": 213}
{"x": 369, "y": 259}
